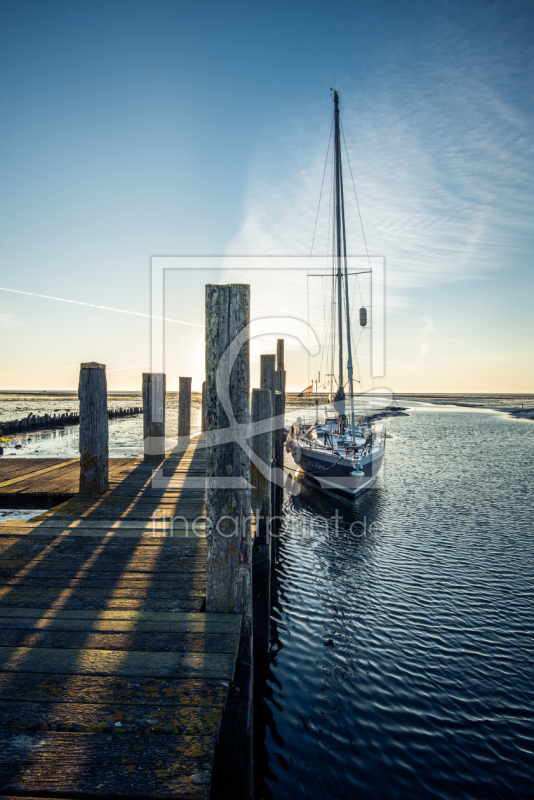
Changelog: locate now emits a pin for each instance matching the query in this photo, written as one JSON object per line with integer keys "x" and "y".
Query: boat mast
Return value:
{"x": 347, "y": 304}
{"x": 340, "y": 394}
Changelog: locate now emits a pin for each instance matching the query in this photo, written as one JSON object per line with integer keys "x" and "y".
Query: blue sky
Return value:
{"x": 134, "y": 129}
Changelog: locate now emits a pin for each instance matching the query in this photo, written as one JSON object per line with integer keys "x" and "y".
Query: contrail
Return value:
{"x": 105, "y": 308}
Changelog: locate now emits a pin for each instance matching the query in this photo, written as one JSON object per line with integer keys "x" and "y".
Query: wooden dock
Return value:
{"x": 113, "y": 679}
{"x": 127, "y": 638}
{"x": 43, "y": 482}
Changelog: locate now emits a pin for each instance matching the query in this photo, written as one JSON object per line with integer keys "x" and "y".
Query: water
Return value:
{"x": 125, "y": 434}
{"x": 401, "y": 661}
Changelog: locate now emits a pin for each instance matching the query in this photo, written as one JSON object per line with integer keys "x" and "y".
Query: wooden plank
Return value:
{"x": 67, "y": 542}
{"x": 133, "y": 640}
{"x": 67, "y": 560}
{"x": 191, "y": 588}
{"x": 73, "y": 541}
{"x": 105, "y": 603}
{"x": 75, "y": 523}
{"x": 32, "y": 475}
{"x": 27, "y": 797}
{"x": 66, "y": 564}
{"x": 12, "y": 467}
{"x": 40, "y": 687}
{"x": 107, "y": 585}
{"x": 153, "y": 766}
{"x": 117, "y": 580}
{"x": 103, "y": 718}
{"x": 109, "y": 662}
{"x": 191, "y": 565}
{"x": 229, "y": 619}
{"x": 181, "y": 537}
{"x": 118, "y": 625}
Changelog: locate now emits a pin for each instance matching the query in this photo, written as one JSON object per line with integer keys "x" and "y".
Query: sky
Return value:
{"x": 141, "y": 129}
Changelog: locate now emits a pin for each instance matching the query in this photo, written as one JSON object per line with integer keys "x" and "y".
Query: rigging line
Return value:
{"x": 322, "y": 184}
{"x": 356, "y": 345}
{"x": 308, "y": 294}
{"x": 357, "y": 206}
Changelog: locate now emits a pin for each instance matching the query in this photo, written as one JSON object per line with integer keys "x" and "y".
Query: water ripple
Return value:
{"x": 401, "y": 661}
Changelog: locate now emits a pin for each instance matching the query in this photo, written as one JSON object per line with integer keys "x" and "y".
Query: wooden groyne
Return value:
{"x": 128, "y": 627}
{"x": 44, "y": 422}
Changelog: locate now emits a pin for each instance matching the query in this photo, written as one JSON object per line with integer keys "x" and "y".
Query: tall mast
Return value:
{"x": 338, "y": 239}
{"x": 347, "y": 304}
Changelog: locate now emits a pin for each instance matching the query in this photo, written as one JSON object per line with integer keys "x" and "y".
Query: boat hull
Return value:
{"x": 332, "y": 472}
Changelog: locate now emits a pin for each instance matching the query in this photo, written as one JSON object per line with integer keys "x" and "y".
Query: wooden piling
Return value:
{"x": 229, "y": 551}
{"x": 228, "y": 586}
{"x": 280, "y": 360}
{"x": 267, "y": 370}
{"x": 261, "y": 408}
{"x": 269, "y": 381}
{"x": 154, "y": 415}
{"x": 94, "y": 435}
{"x": 279, "y": 411}
{"x": 184, "y": 407}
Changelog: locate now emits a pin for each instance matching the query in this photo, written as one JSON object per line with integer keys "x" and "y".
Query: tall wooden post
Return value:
{"x": 279, "y": 411}
{"x": 280, "y": 361}
{"x": 229, "y": 550}
{"x": 261, "y": 408}
{"x": 94, "y": 433}
{"x": 203, "y": 408}
{"x": 268, "y": 381}
{"x": 154, "y": 415}
{"x": 267, "y": 370}
{"x": 228, "y": 553}
{"x": 184, "y": 407}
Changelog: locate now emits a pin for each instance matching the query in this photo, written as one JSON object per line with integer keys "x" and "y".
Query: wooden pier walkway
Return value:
{"x": 26, "y": 482}
{"x": 113, "y": 680}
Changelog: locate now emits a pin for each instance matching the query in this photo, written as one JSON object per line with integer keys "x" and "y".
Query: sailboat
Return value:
{"x": 339, "y": 453}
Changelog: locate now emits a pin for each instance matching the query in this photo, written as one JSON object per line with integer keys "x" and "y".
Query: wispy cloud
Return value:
{"x": 9, "y": 321}
{"x": 442, "y": 160}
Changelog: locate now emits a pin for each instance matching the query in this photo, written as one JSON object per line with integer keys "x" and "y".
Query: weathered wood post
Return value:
{"x": 268, "y": 381}
{"x": 267, "y": 370}
{"x": 280, "y": 360}
{"x": 203, "y": 408}
{"x": 261, "y": 444}
{"x": 279, "y": 411}
{"x": 228, "y": 531}
{"x": 261, "y": 408}
{"x": 154, "y": 415}
{"x": 184, "y": 407}
{"x": 227, "y": 314}
{"x": 94, "y": 434}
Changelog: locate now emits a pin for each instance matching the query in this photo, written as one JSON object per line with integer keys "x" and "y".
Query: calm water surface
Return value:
{"x": 125, "y": 434}
{"x": 401, "y": 661}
